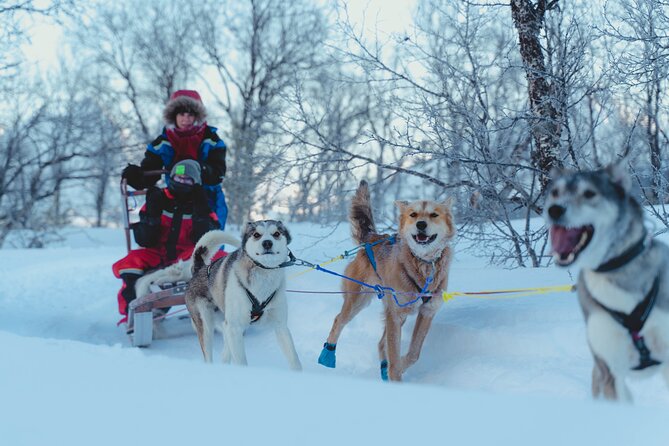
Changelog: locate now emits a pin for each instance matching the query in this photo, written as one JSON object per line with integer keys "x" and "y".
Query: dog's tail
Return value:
{"x": 362, "y": 220}
{"x": 174, "y": 273}
{"x": 207, "y": 246}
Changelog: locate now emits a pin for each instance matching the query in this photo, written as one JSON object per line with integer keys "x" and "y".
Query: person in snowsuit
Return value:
{"x": 170, "y": 223}
{"x": 186, "y": 135}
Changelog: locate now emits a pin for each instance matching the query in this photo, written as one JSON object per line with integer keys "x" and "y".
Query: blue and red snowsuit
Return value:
{"x": 211, "y": 153}
{"x": 168, "y": 229}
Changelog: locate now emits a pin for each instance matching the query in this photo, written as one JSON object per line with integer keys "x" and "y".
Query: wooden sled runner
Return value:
{"x": 140, "y": 310}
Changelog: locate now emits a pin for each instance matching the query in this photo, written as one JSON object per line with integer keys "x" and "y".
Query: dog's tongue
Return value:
{"x": 564, "y": 240}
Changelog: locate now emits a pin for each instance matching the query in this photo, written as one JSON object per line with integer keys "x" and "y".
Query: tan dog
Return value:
{"x": 418, "y": 260}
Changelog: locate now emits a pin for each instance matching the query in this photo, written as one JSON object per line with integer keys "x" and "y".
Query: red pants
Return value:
{"x": 138, "y": 262}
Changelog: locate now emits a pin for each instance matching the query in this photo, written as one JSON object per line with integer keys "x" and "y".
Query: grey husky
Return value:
{"x": 246, "y": 287}
{"x": 597, "y": 226}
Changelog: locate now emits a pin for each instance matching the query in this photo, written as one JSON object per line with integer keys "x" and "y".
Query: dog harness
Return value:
{"x": 392, "y": 239}
{"x": 428, "y": 281}
{"x": 370, "y": 252}
{"x": 634, "y": 321}
{"x": 257, "y": 308}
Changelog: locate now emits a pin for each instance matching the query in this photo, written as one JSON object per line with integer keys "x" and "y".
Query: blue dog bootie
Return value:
{"x": 327, "y": 357}
{"x": 384, "y": 370}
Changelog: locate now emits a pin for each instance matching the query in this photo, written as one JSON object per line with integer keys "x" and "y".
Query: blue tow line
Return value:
{"x": 380, "y": 289}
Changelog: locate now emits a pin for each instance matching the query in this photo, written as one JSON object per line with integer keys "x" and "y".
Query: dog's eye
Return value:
{"x": 589, "y": 193}
{"x": 554, "y": 193}
{"x": 277, "y": 234}
{"x": 413, "y": 215}
{"x": 434, "y": 215}
{"x": 257, "y": 235}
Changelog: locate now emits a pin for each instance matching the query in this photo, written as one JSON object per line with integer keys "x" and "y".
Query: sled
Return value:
{"x": 140, "y": 310}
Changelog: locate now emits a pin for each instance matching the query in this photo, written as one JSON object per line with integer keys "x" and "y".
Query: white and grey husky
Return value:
{"x": 247, "y": 286}
{"x": 597, "y": 226}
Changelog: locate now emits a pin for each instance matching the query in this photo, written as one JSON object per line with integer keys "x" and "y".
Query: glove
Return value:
{"x": 200, "y": 201}
{"x": 134, "y": 175}
{"x": 154, "y": 203}
{"x": 209, "y": 176}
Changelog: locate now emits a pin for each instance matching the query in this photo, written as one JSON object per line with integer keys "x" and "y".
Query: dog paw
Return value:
{"x": 327, "y": 357}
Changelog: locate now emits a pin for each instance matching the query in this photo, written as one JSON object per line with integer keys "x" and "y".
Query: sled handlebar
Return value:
{"x": 125, "y": 193}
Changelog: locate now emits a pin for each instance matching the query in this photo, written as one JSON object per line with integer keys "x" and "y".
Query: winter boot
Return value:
{"x": 128, "y": 292}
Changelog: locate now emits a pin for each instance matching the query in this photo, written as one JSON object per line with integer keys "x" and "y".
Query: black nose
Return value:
{"x": 267, "y": 244}
{"x": 556, "y": 211}
{"x": 421, "y": 225}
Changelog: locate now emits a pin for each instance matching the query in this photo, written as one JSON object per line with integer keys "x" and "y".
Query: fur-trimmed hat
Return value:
{"x": 190, "y": 168}
{"x": 184, "y": 101}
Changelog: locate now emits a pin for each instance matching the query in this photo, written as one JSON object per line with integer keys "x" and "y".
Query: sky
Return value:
{"x": 46, "y": 38}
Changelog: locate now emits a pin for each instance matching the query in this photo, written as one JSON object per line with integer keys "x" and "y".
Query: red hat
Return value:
{"x": 190, "y": 93}
{"x": 184, "y": 100}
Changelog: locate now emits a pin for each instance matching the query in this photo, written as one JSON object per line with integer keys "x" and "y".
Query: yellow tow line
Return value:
{"x": 335, "y": 259}
{"x": 499, "y": 294}
{"x": 450, "y": 295}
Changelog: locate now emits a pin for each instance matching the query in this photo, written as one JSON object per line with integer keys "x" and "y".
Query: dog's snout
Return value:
{"x": 556, "y": 211}
{"x": 421, "y": 225}
{"x": 267, "y": 244}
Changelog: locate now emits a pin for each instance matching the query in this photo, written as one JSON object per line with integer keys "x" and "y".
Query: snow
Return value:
{"x": 493, "y": 371}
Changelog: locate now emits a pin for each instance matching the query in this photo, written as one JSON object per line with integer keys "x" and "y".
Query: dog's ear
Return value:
{"x": 619, "y": 174}
{"x": 284, "y": 230}
{"x": 448, "y": 202}
{"x": 401, "y": 204}
{"x": 247, "y": 229}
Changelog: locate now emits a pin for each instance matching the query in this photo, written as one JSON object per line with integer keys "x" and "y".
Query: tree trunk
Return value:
{"x": 546, "y": 124}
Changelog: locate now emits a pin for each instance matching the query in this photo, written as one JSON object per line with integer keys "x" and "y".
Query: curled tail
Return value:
{"x": 207, "y": 246}
{"x": 362, "y": 220}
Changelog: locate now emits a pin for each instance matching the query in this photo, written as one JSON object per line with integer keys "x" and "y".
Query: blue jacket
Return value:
{"x": 211, "y": 156}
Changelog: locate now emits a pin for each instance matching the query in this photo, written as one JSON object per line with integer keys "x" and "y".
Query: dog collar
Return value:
{"x": 290, "y": 262}
{"x": 624, "y": 258}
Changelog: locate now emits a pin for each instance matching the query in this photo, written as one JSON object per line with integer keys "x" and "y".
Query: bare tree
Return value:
{"x": 327, "y": 116}
{"x": 139, "y": 52}
{"x": 459, "y": 116}
{"x": 38, "y": 148}
{"x": 33, "y": 168}
{"x": 256, "y": 48}
{"x": 639, "y": 31}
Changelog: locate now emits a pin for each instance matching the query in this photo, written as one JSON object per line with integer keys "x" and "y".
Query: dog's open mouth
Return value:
{"x": 423, "y": 239}
{"x": 568, "y": 243}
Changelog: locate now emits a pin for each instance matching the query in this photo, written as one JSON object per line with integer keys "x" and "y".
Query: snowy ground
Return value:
{"x": 503, "y": 371}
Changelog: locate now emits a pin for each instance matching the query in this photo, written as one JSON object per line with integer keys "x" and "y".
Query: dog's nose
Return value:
{"x": 556, "y": 211}
{"x": 267, "y": 244}
{"x": 421, "y": 225}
